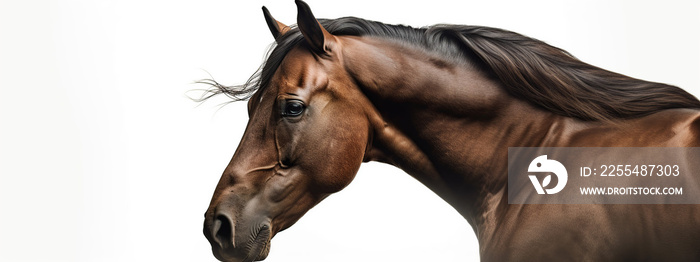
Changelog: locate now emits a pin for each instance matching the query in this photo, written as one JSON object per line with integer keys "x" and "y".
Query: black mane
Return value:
{"x": 530, "y": 69}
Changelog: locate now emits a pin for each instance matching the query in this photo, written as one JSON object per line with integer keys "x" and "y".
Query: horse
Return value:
{"x": 443, "y": 103}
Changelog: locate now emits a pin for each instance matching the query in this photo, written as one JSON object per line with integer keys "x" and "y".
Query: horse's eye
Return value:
{"x": 292, "y": 108}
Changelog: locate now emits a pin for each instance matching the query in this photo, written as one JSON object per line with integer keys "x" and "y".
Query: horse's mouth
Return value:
{"x": 261, "y": 244}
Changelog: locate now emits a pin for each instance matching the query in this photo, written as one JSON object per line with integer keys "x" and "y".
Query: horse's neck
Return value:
{"x": 449, "y": 126}
{"x": 445, "y": 123}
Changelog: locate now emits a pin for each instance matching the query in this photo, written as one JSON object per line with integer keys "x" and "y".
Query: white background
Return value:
{"x": 104, "y": 158}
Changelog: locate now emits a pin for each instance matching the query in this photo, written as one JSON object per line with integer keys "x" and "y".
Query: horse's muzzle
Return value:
{"x": 220, "y": 230}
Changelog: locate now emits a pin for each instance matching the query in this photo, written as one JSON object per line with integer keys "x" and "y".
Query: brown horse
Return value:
{"x": 444, "y": 104}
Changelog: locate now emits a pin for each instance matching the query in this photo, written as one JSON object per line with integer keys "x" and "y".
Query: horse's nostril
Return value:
{"x": 223, "y": 231}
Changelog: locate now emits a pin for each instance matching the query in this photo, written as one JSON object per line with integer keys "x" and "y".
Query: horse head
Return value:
{"x": 307, "y": 135}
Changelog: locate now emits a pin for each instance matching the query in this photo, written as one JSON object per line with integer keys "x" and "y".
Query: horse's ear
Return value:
{"x": 320, "y": 40}
{"x": 276, "y": 28}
